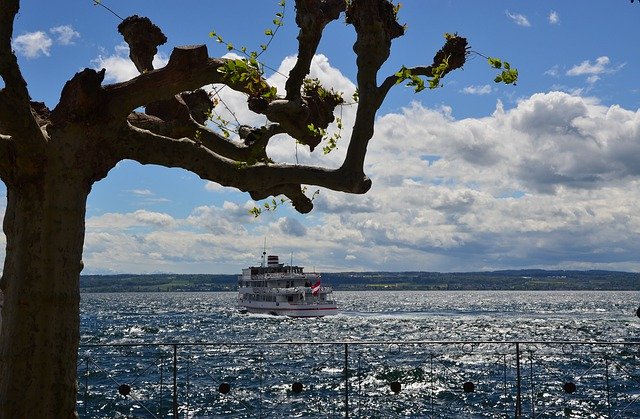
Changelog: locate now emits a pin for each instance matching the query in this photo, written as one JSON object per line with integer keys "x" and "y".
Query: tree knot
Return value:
{"x": 143, "y": 38}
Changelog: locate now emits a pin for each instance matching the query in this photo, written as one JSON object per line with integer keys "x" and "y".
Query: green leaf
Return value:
{"x": 268, "y": 32}
{"x": 495, "y": 62}
{"x": 402, "y": 75}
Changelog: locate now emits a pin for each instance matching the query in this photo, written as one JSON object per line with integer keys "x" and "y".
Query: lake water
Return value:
{"x": 403, "y": 351}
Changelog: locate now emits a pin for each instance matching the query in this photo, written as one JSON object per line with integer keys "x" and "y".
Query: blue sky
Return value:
{"x": 471, "y": 176}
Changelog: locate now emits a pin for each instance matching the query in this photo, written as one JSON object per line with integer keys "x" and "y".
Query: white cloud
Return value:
{"x": 38, "y": 43}
{"x": 141, "y": 192}
{"x": 553, "y": 71}
{"x": 593, "y": 79}
{"x": 33, "y": 44}
{"x": 65, "y": 34}
{"x": 289, "y": 226}
{"x": 322, "y": 70}
{"x": 139, "y": 218}
{"x": 553, "y": 182}
{"x": 588, "y": 68}
{"x": 213, "y": 187}
{"x": 554, "y": 18}
{"x": 120, "y": 68}
{"x": 518, "y": 18}
{"x": 154, "y": 218}
{"x": 478, "y": 90}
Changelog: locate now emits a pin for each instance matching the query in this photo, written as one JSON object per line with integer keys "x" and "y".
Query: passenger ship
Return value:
{"x": 284, "y": 291}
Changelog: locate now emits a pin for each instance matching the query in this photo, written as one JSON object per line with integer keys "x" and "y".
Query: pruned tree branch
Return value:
{"x": 261, "y": 180}
{"x": 299, "y": 200}
{"x": 375, "y": 27}
{"x": 15, "y": 111}
{"x": 454, "y": 53}
{"x": 202, "y": 135}
{"x": 143, "y": 38}
{"x": 311, "y": 17}
{"x": 189, "y": 68}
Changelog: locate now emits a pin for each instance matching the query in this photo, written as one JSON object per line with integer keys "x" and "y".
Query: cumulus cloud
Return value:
{"x": 39, "y": 43}
{"x": 119, "y": 67}
{"x": 518, "y": 18}
{"x": 291, "y": 227}
{"x": 552, "y": 182}
{"x": 139, "y": 218}
{"x": 65, "y": 35}
{"x": 554, "y": 18}
{"x": 33, "y": 44}
{"x": 321, "y": 69}
{"x": 599, "y": 66}
{"x": 564, "y": 153}
{"x": 228, "y": 219}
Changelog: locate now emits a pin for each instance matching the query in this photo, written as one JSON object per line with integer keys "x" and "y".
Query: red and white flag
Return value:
{"x": 315, "y": 289}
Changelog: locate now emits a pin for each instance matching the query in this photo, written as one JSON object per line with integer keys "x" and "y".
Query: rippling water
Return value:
{"x": 381, "y": 315}
{"x": 431, "y": 379}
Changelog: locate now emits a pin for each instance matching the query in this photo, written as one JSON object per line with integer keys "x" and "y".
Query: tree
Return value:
{"x": 50, "y": 158}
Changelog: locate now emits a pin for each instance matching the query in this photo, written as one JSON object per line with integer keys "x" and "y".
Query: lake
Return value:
{"x": 406, "y": 354}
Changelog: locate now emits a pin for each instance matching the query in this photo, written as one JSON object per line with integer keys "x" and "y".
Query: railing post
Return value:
{"x": 606, "y": 363}
{"x": 433, "y": 386}
{"x": 346, "y": 380}
{"x": 175, "y": 380}
{"x": 533, "y": 393}
{"x": 86, "y": 386}
{"x": 518, "y": 384}
{"x": 161, "y": 412}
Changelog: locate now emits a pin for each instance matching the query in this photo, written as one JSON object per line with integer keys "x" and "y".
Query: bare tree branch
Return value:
{"x": 299, "y": 200}
{"x": 189, "y": 68}
{"x": 15, "y": 111}
{"x": 376, "y": 26}
{"x": 261, "y": 180}
{"x": 311, "y": 17}
{"x": 197, "y": 132}
{"x": 454, "y": 53}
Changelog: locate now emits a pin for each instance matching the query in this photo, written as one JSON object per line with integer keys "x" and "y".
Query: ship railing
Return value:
{"x": 284, "y": 290}
{"x": 415, "y": 379}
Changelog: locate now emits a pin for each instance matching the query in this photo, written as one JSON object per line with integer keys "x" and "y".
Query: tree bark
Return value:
{"x": 44, "y": 226}
{"x": 50, "y": 159}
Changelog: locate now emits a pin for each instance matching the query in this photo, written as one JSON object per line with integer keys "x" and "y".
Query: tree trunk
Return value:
{"x": 44, "y": 226}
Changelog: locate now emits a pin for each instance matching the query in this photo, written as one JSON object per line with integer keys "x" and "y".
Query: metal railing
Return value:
{"x": 426, "y": 379}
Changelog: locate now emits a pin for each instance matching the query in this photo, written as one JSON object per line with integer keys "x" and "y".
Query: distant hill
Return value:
{"x": 526, "y": 279}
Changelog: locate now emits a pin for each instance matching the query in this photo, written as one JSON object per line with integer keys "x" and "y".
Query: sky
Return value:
{"x": 472, "y": 176}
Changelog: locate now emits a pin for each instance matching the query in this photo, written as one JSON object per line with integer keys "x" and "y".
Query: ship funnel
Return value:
{"x": 272, "y": 260}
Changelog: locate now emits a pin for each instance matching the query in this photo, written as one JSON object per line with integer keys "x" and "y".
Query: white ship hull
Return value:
{"x": 290, "y": 310}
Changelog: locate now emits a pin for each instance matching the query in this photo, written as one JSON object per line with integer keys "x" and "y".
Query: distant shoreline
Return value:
{"x": 508, "y": 280}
